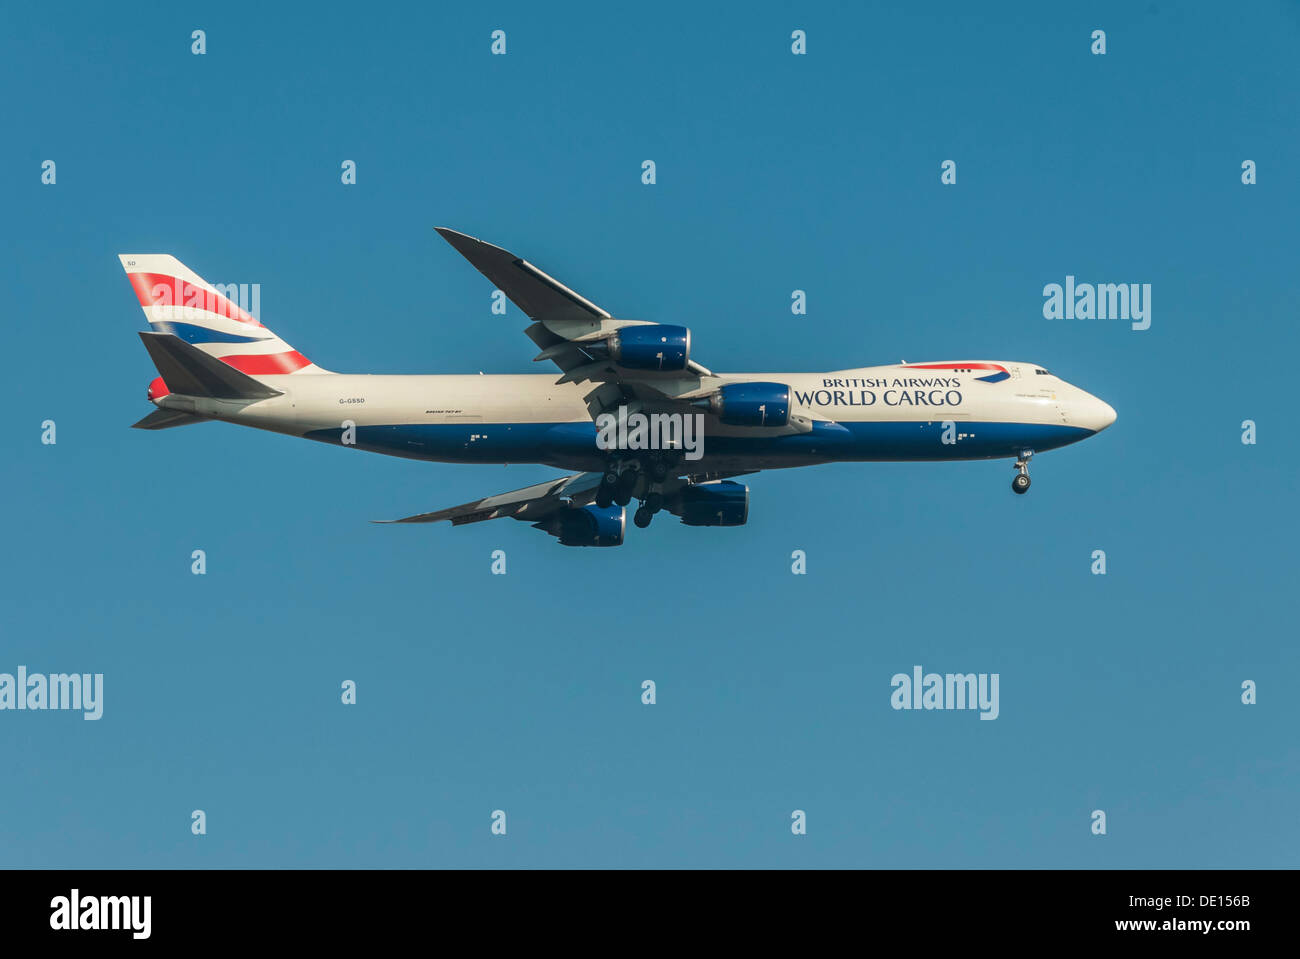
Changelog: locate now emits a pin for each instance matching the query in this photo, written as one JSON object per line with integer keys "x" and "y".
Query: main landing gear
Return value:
{"x": 624, "y": 479}
{"x": 652, "y": 504}
{"x": 1021, "y": 483}
{"x": 618, "y": 484}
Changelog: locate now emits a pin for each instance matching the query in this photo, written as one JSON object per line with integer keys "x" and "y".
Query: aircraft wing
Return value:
{"x": 542, "y": 503}
{"x": 530, "y": 503}
{"x": 563, "y": 320}
{"x": 574, "y": 333}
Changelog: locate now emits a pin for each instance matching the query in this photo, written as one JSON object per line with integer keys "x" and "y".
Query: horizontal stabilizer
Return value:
{"x": 166, "y": 419}
{"x": 189, "y": 371}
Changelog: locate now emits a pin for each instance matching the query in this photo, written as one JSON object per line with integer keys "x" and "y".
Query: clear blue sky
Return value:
{"x": 522, "y": 692}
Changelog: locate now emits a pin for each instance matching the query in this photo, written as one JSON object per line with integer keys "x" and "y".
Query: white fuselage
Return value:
{"x": 899, "y": 412}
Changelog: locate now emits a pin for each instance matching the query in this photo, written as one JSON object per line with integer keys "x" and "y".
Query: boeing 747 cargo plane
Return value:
{"x": 631, "y": 412}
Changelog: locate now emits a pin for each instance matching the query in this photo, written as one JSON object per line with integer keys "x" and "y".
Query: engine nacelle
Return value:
{"x": 587, "y": 526}
{"x": 654, "y": 347}
{"x": 720, "y": 503}
{"x": 752, "y": 404}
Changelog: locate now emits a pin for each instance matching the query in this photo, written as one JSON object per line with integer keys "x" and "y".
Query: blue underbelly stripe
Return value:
{"x": 543, "y": 442}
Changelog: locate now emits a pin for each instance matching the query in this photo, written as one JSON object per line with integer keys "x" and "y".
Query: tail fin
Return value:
{"x": 177, "y": 300}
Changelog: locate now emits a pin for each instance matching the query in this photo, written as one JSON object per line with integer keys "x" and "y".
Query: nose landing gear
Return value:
{"x": 1021, "y": 482}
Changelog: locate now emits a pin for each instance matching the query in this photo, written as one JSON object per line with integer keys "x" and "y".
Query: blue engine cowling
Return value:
{"x": 587, "y": 526}
{"x": 655, "y": 347}
{"x": 752, "y": 404}
{"x": 721, "y": 503}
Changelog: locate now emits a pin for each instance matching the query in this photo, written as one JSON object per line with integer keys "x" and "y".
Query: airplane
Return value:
{"x": 632, "y": 413}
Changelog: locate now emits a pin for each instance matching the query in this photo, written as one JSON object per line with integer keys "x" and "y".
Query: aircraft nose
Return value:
{"x": 1108, "y": 412}
{"x": 1095, "y": 414}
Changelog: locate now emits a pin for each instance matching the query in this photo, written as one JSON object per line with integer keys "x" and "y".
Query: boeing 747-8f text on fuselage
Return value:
{"x": 631, "y": 412}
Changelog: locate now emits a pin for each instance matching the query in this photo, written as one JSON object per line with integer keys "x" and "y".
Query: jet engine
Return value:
{"x": 751, "y": 404}
{"x": 586, "y": 525}
{"x": 720, "y": 503}
{"x": 654, "y": 347}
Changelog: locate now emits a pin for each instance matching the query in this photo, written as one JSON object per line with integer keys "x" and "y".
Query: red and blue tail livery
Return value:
{"x": 177, "y": 301}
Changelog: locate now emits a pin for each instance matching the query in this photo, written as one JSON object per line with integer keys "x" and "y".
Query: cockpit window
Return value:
{"x": 1041, "y": 372}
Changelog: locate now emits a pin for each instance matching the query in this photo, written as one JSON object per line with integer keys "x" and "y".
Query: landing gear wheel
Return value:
{"x": 625, "y": 487}
{"x": 654, "y": 502}
{"x": 642, "y": 517}
{"x": 1021, "y": 483}
{"x": 608, "y": 487}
